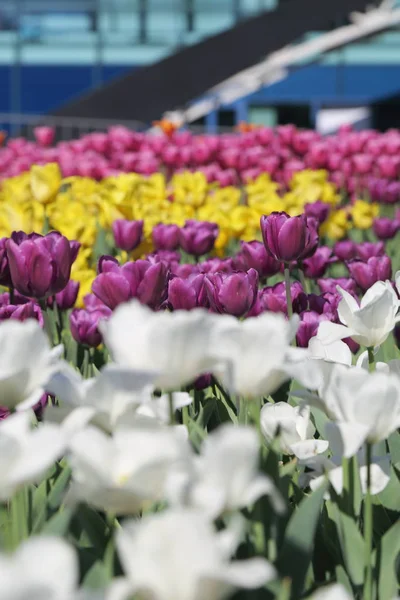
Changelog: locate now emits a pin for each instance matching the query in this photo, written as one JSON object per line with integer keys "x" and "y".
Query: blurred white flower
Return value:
{"x": 336, "y": 591}
{"x": 104, "y": 401}
{"x": 127, "y": 471}
{"x": 26, "y": 452}
{"x": 177, "y": 555}
{"x": 225, "y": 476}
{"x": 158, "y": 407}
{"x": 26, "y": 363}
{"x": 294, "y": 427}
{"x": 369, "y": 323}
{"x": 254, "y": 357}
{"x": 175, "y": 346}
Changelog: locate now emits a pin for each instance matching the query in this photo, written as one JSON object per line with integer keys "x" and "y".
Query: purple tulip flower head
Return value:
{"x": 385, "y": 228}
{"x": 365, "y": 274}
{"x": 40, "y": 266}
{"x": 288, "y": 238}
{"x": 316, "y": 265}
{"x": 367, "y": 250}
{"x": 329, "y": 285}
{"x": 22, "y": 312}
{"x": 186, "y": 294}
{"x": 254, "y": 256}
{"x": 308, "y": 327}
{"x": 345, "y": 249}
{"x": 318, "y": 210}
{"x": 165, "y": 237}
{"x": 5, "y": 275}
{"x": 234, "y": 294}
{"x": 67, "y": 297}
{"x": 127, "y": 234}
{"x": 198, "y": 237}
{"x": 84, "y": 326}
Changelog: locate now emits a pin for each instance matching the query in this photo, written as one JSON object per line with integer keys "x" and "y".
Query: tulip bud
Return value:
{"x": 233, "y": 294}
{"x": 366, "y": 250}
{"x": 308, "y": 327}
{"x": 254, "y": 256}
{"x": 287, "y": 238}
{"x": 198, "y": 237}
{"x": 365, "y": 274}
{"x": 345, "y": 249}
{"x": 127, "y": 234}
{"x": 67, "y": 297}
{"x": 165, "y": 237}
{"x": 84, "y": 326}
{"x": 329, "y": 285}
{"x": 316, "y": 265}
{"x": 187, "y": 293}
{"x": 40, "y": 266}
{"x": 21, "y": 312}
{"x": 385, "y": 228}
{"x": 317, "y": 210}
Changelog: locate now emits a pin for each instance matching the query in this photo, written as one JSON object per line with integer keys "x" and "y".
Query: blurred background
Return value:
{"x": 60, "y": 57}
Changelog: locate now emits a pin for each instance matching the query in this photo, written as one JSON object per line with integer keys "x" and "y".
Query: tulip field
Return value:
{"x": 200, "y": 366}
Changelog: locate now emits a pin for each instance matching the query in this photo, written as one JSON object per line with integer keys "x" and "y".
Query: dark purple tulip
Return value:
{"x": 233, "y": 294}
{"x": 308, "y": 327}
{"x": 141, "y": 279}
{"x": 329, "y": 285}
{"x": 5, "y": 275}
{"x": 345, "y": 249}
{"x": 385, "y": 228}
{"x": 318, "y": 210}
{"x": 75, "y": 247}
{"x": 67, "y": 297}
{"x": 354, "y": 347}
{"x": 21, "y": 312}
{"x": 365, "y": 274}
{"x": 254, "y": 256}
{"x": 169, "y": 257}
{"x": 84, "y": 326}
{"x": 217, "y": 265}
{"x": 316, "y": 265}
{"x": 396, "y": 332}
{"x": 287, "y": 238}
{"x": 185, "y": 270}
{"x": 198, "y": 237}
{"x": 367, "y": 250}
{"x": 273, "y": 299}
{"x": 203, "y": 382}
{"x": 127, "y": 234}
{"x": 186, "y": 294}
{"x": 165, "y": 237}
{"x": 40, "y": 266}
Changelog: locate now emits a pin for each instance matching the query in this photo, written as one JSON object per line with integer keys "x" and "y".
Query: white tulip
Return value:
{"x": 127, "y": 471}
{"x": 104, "y": 401}
{"x": 177, "y": 555}
{"x": 26, "y": 453}
{"x": 254, "y": 357}
{"x": 226, "y": 475}
{"x": 369, "y": 323}
{"x": 26, "y": 363}
{"x": 175, "y": 346}
{"x": 336, "y": 591}
{"x": 294, "y": 427}
{"x": 158, "y": 407}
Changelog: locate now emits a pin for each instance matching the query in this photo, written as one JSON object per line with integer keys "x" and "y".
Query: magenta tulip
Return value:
{"x": 198, "y": 237}
{"x": 287, "y": 238}
{"x": 233, "y": 294}
{"x": 165, "y": 237}
{"x": 365, "y": 274}
{"x": 127, "y": 234}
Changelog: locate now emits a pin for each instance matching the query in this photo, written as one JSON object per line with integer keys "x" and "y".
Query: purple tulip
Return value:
{"x": 329, "y": 285}
{"x": 141, "y": 279}
{"x": 67, "y": 297}
{"x": 254, "y": 256}
{"x": 22, "y": 312}
{"x": 84, "y": 326}
{"x": 366, "y": 250}
{"x": 169, "y": 257}
{"x": 186, "y": 294}
{"x": 217, "y": 265}
{"x": 365, "y": 274}
{"x": 185, "y": 270}
{"x": 385, "y": 228}
{"x": 287, "y": 238}
{"x": 127, "y": 234}
{"x": 316, "y": 265}
{"x": 75, "y": 247}
{"x": 308, "y": 327}
{"x": 40, "y": 266}
{"x": 233, "y": 294}
{"x": 5, "y": 275}
{"x": 198, "y": 237}
{"x": 318, "y": 210}
{"x": 165, "y": 237}
{"x": 203, "y": 382}
{"x": 345, "y": 249}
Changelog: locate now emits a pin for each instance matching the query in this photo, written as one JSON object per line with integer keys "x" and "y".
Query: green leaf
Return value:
{"x": 97, "y": 576}
{"x": 394, "y": 447}
{"x": 295, "y": 557}
{"x": 387, "y": 554}
{"x": 59, "y": 523}
{"x": 351, "y": 543}
{"x": 390, "y": 496}
{"x": 93, "y": 527}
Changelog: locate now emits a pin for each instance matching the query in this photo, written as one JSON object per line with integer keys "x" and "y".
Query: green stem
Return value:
{"x": 371, "y": 359}
{"x": 303, "y": 280}
{"x": 368, "y": 529}
{"x": 171, "y": 408}
{"x": 288, "y": 292}
{"x": 243, "y": 411}
{"x": 285, "y": 589}
{"x": 185, "y": 416}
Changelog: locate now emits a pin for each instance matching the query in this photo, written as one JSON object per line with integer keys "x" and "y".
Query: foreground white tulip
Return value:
{"x": 127, "y": 471}
{"x": 158, "y": 408}
{"x": 365, "y": 406}
{"x": 225, "y": 476}
{"x": 335, "y": 591}
{"x": 177, "y": 555}
{"x": 26, "y": 363}
{"x": 369, "y": 323}
{"x": 26, "y": 453}
{"x": 294, "y": 428}
{"x": 104, "y": 401}
{"x": 175, "y": 346}
{"x": 254, "y": 357}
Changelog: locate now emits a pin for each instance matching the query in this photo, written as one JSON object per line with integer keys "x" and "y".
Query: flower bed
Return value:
{"x": 200, "y": 382}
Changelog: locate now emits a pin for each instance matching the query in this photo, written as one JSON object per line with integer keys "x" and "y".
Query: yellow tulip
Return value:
{"x": 336, "y": 226}
{"x": 363, "y": 213}
{"x": 45, "y": 182}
